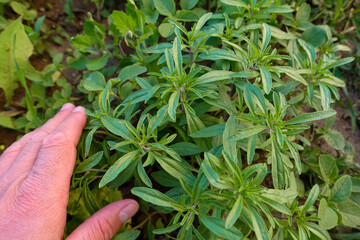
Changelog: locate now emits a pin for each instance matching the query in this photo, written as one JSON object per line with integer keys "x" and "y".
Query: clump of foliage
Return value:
{"x": 207, "y": 116}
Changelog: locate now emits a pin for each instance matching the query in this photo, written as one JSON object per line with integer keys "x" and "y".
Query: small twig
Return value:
{"x": 311, "y": 167}
{"x": 96, "y": 170}
{"x": 146, "y": 219}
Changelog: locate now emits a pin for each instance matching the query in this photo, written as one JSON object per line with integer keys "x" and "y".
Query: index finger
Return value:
{"x": 56, "y": 158}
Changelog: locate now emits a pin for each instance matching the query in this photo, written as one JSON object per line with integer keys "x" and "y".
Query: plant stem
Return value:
{"x": 146, "y": 219}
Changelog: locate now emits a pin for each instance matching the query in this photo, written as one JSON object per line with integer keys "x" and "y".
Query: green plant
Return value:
{"x": 207, "y": 115}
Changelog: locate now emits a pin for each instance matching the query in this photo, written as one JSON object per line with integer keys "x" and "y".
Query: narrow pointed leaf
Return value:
{"x": 248, "y": 132}
{"x": 309, "y": 117}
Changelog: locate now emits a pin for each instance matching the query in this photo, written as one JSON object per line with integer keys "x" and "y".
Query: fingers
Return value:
{"x": 8, "y": 157}
{"x": 104, "y": 224}
{"x": 21, "y": 157}
{"x": 57, "y": 154}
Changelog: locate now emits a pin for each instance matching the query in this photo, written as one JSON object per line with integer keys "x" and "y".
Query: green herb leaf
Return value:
{"x": 313, "y": 194}
{"x": 131, "y": 71}
{"x": 89, "y": 162}
{"x": 217, "y": 226}
{"x": 341, "y": 191}
{"x": 309, "y": 117}
{"x": 235, "y": 212}
{"x": 165, "y": 7}
{"x": 173, "y": 103}
{"x": 335, "y": 139}
{"x": 211, "y": 131}
{"x": 248, "y": 132}
{"x": 327, "y": 215}
{"x": 95, "y": 82}
{"x": 266, "y": 36}
{"x": 265, "y": 78}
{"x": 153, "y": 196}
{"x": 315, "y": 35}
{"x": 117, "y": 127}
{"x": 97, "y": 63}
{"x": 186, "y": 148}
{"x": 118, "y": 167}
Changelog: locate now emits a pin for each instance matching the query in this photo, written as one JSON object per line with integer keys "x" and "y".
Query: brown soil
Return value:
{"x": 344, "y": 126}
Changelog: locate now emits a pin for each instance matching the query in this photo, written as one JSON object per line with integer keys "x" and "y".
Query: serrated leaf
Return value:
{"x": 123, "y": 22}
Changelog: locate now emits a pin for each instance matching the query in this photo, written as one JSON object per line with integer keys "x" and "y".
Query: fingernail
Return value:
{"x": 66, "y": 106}
{"x": 78, "y": 109}
{"x": 127, "y": 212}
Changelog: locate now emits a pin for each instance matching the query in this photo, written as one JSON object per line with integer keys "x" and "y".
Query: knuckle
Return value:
{"x": 56, "y": 139}
{"x": 39, "y": 135}
{"x": 31, "y": 192}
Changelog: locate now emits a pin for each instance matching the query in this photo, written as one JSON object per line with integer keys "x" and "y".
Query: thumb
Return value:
{"x": 104, "y": 223}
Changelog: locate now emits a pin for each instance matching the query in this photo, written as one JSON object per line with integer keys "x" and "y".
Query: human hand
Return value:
{"x": 35, "y": 177}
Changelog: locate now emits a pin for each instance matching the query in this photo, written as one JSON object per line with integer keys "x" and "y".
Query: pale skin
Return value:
{"x": 35, "y": 177}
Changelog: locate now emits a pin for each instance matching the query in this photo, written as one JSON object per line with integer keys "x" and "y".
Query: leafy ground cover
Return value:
{"x": 218, "y": 116}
